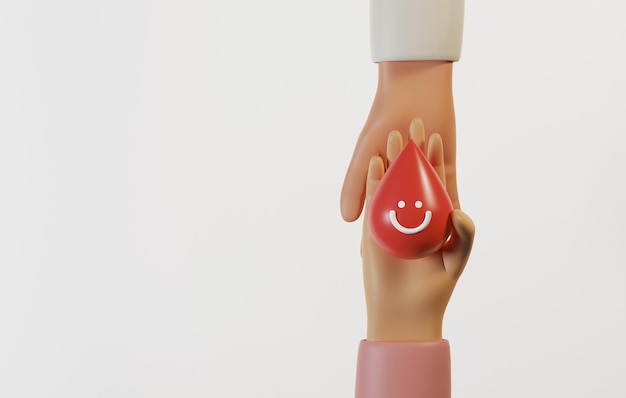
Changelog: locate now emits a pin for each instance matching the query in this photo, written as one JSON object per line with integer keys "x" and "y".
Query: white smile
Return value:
{"x": 409, "y": 231}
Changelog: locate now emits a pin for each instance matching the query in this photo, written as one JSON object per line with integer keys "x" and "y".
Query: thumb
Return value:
{"x": 457, "y": 249}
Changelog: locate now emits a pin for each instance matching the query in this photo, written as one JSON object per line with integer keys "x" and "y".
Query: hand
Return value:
{"x": 406, "y": 299}
{"x": 405, "y": 89}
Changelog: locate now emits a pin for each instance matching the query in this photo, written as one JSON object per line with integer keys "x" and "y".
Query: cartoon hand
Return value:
{"x": 405, "y": 89}
{"x": 406, "y": 299}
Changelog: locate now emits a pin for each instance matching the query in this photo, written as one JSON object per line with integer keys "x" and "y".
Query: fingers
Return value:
{"x": 435, "y": 156}
{"x": 457, "y": 249}
{"x": 375, "y": 173}
{"x": 394, "y": 145}
{"x": 353, "y": 190}
{"x": 417, "y": 133}
{"x": 376, "y": 168}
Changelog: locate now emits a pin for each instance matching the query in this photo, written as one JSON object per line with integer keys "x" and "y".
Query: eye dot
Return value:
{"x": 418, "y": 204}
{"x": 401, "y": 204}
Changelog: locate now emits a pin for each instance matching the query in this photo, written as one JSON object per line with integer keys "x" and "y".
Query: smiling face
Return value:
{"x": 408, "y": 214}
{"x": 393, "y": 218}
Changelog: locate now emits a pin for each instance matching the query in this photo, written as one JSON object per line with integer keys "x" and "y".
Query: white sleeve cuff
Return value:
{"x": 416, "y": 30}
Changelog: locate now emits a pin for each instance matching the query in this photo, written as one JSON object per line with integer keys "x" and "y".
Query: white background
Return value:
{"x": 169, "y": 198}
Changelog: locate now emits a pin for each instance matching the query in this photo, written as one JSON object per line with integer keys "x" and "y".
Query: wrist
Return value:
{"x": 415, "y": 77}
{"x": 404, "y": 327}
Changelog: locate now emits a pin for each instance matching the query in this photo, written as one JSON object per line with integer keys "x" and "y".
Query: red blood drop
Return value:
{"x": 408, "y": 215}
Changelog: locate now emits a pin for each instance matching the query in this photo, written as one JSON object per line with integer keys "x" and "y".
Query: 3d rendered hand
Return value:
{"x": 405, "y": 89}
{"x": 406, "y": 299}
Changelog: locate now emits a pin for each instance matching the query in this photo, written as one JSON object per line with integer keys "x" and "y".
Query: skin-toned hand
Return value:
{"x": 405, "y": 89}
{"x": 406, "y": 299}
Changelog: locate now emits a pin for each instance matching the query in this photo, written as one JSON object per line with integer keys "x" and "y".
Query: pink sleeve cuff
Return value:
{"x": 403, "y": 370}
